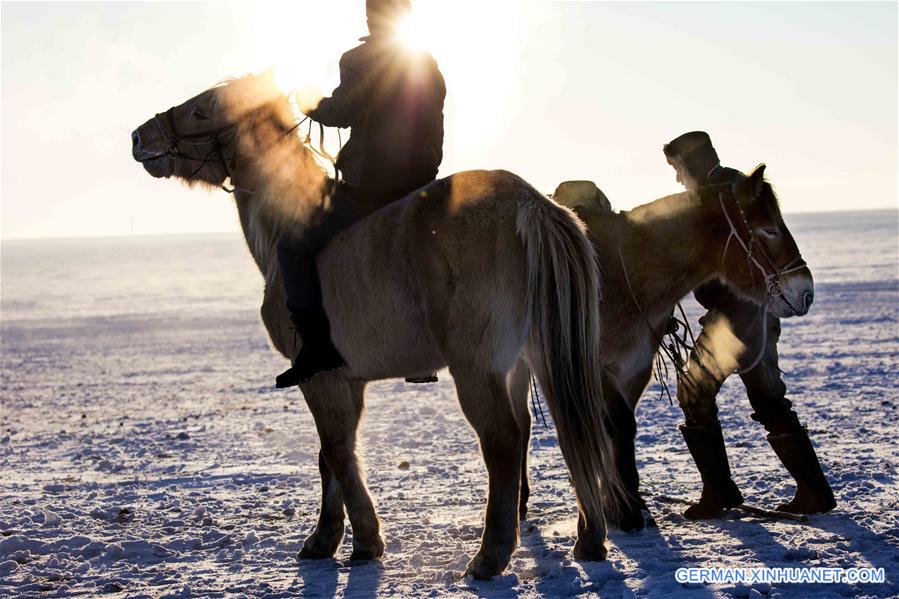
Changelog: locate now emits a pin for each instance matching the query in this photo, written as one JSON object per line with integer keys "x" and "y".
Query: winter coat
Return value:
{"x": 392, "y": 98}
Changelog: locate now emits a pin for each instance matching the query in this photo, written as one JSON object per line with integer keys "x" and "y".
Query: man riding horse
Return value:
{"x": 694, "y": 159}
{"x": 393, "y": 100}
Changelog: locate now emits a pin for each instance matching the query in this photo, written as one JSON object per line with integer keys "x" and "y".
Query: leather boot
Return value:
{"x": 317, "y": 354}
{"x": 719, "y": 492}
{"x": 813, "y": 492}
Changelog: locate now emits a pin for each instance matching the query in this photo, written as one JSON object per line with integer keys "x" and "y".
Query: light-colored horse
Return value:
{"x": 657, "y": 253}
{"x": 478, "y": 272}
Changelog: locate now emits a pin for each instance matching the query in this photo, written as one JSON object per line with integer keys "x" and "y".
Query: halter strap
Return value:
{"x": 772, "y": 275}
{"x": 166, "y": 124}
{"x": 773, "y": 272}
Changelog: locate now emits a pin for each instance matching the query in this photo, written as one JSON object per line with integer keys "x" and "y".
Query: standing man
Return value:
{"x": 694, "y": 159}
{"x": 392, "y": 97}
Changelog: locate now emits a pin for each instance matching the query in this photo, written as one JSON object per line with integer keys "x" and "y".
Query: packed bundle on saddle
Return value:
{"x": 581, "y": 195}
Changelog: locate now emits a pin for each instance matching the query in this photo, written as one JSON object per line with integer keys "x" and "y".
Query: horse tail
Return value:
{"x": 563, "y": 347}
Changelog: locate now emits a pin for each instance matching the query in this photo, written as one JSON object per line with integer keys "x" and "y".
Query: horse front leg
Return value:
{"x": 336, "y": 405}
{"x": 328, "y": 533}
{"x": 624, "y": 430}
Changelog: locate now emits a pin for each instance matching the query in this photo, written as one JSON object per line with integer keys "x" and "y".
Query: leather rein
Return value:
{"x": 772, "y": 274}
{"x": 166, "y": 124}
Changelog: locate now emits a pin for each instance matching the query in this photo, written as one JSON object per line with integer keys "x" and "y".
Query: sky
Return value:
{"x": 549, "y": 90}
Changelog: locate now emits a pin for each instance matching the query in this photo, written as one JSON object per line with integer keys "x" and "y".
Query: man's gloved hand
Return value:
{"x": 307, "y": 99}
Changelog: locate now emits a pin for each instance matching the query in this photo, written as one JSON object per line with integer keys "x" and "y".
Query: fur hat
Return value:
{"x": 694, "y": 150}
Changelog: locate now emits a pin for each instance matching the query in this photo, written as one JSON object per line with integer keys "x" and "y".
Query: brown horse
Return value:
{"x": 654, "y": 255}
{"x": 478, "y": 272}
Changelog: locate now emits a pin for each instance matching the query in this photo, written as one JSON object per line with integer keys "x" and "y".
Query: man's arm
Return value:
{"x": 344, "y": 106}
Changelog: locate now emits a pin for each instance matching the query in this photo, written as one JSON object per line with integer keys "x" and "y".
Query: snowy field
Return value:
{"x": 145, "y": 452}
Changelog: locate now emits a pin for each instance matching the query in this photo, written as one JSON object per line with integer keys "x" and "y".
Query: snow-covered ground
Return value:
{"x": 144, "y": 452}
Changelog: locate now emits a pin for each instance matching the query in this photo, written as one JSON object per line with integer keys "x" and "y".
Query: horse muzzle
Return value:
{"x": 797, "y": 292}
{"x": 148, "y": 148}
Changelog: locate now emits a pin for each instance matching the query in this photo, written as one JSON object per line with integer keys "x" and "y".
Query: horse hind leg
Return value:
{"x": 519, "y": 387}
{"x": 485, "y": 401}
{"x": 336, "y": 406}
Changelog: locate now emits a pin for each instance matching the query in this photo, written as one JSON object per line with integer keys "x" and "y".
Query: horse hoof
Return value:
{"x": 309, "y": 553}
{"x": 588, "y": 551}
{"x": 369, "y": 553}
{"x": 631, "y": 522}
{"x": 482, "y": 567}
{"x": 360, "y": 555}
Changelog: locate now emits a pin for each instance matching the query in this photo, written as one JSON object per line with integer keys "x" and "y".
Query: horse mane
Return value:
{"x": 665, "y": 208}
{"x": 289, "y": 187}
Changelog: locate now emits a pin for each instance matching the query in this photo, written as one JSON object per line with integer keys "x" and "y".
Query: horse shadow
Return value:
{"x": 862, "y": 541}
{"x": 656, "y": 559}
{"x": 755, "y": 536}
{"x": 363, "y": 580}
{"x": 321, "y": 578}
{"x": 316, "y": 578}
{"x": 559, "y": 575}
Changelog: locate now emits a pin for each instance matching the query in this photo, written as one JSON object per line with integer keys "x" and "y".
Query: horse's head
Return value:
{"x": 761, "y": 258}
{"x": 196, "y": 141}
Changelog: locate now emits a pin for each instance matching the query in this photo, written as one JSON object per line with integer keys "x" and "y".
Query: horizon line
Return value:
{"x": 237, "y": 230}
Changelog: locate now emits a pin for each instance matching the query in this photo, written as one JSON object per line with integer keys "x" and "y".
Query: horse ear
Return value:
{"x": 757, "y": 180}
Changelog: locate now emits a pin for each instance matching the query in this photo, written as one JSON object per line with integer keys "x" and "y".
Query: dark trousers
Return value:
{"x": 731, "y": 338}
{"x": 296, "y": 253}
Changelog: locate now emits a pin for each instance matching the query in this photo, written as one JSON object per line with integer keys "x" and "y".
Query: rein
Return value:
{"x": 773, "y": 288}
{"x": 173, "y": 139}
{"x": 166, "y": 123}
{"x": 677, "y": 346}
{"x": 321, "y": 151}
{"x": 771, "y": 275}
{"x": 773, "y": 272}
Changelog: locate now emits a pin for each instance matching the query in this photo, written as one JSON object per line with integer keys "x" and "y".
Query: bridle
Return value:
{"x": 166, "y": 123}
{"x": 755, "y": 249}
{"x": 213, "y": 138}
{"x": 771, "y": 272}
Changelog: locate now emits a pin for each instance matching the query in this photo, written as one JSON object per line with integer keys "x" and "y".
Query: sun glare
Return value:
{"x": 476, "y": 44}
{"x": 411, "y": 32}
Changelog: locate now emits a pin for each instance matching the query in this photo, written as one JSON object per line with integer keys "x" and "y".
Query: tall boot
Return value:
{"x": 317, "y": 354}
{"x": 813, "y": 492}
{"x": 719, "y": 492}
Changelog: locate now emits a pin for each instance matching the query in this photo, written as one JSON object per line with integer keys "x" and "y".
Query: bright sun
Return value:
{"x": 411, "y": 31}
{"x": 476, "y": 45}
{"x": 461, "y": 33}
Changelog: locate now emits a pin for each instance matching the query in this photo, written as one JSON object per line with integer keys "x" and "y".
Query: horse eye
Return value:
{"x": 198, "y": 114}
{"x": 771, "y": 231}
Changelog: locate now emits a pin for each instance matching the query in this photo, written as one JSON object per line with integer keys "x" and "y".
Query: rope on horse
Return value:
{"x": 535, "y": 400}
{"x": 320, "y": 151}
